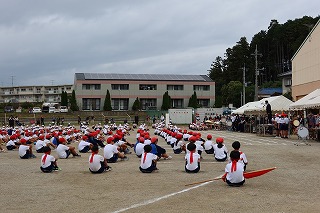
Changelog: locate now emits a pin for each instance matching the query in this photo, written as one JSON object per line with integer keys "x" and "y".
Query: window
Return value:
{"x": 204, "y": 102}
{"x": 148, "y": 104}
{"x": 177, "y": 103}
{"x": 120, "y": 103}
{"x": 23, "y": 90}
{"x": 147, "y": 87}
{"x": 120, "y": 86}
{"x": 201, "y": 87}
{"x": 91, "y": 86}
{"x": 30, "y": 89}
{"x": 68, "y": 88}
{"x": 91, "y": 103}
{"x": 174, "y": 87}
{"x": 287, "y": 82}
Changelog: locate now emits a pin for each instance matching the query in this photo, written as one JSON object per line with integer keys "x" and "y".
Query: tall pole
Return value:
{"x": 244, "y": 84}
{"x": 257, "y": 73}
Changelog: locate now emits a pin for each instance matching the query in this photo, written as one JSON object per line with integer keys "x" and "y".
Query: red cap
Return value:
{"x": 84, "y": 137}
{"x": 61, "y": 140}
{"x": 219, "y": 140}
{"x": 141, "y": 139}
{"x": 22, "y": 140}
{"x": 48, "y": 136}
{"x": 192, "y": 139}
{"x": 209, "y": 137}
{"x": 178, "y": 136}
{"x": 154, "y": 139}
{"x": 110, "y": 139}
{"x": 41, "y": 137}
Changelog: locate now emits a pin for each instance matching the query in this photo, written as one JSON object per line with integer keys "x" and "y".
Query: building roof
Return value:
{"x": 270, "y": 91}
{"x": 308, "y": 36}
{"x": 139, "y": 77}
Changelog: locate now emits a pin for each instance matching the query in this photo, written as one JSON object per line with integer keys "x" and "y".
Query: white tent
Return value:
{"x": 311, "y": 100}
{"x": 278, "y": 104}
{"x": 240, "y": 111}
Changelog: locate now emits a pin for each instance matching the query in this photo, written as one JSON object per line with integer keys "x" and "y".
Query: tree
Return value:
{"x": 107, "y": 102}
{"x": 231, "y": 93}
{"x": 136, "y": 105}
{"x": 73, "y": 102}
{"x": 64, "y": 99}
{"x": 193, "y": 100}
{"x": 166, "y": 101}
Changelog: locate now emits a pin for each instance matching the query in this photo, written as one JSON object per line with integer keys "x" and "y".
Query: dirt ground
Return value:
{"x": 292, "y": 187}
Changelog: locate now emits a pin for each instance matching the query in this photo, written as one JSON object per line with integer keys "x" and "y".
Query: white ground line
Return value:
{"x": 160, "y": 198}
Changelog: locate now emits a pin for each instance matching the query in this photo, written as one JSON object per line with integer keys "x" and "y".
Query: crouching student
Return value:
{"x": 140, "y": 147}
{"x": 148, "y": 161}
{"x": 220, "y": 150}
{"x": 111, "y": 152}
{"x": 84, "y": 146}
{"x": 234, "y": 170}
{"x": 64, "y": 151}
{"x": 192, "y": 159}
{"x": 25, "y": 150}
{"x": 48, "y": 162}
{"x": 97, "y": 163}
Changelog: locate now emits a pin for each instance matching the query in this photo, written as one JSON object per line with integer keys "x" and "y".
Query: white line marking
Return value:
{"x": 160, "y": 198}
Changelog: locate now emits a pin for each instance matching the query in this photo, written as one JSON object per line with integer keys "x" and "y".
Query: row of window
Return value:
{"x": 123, "y": 103}
{"x": 144, "y": 87}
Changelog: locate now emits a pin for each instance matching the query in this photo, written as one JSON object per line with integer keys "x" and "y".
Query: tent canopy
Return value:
{"x": 278, "y": 104}
{"x": 310, "y": 101}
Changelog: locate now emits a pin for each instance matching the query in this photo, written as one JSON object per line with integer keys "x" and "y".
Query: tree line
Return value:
{"x": 276, "y": 46}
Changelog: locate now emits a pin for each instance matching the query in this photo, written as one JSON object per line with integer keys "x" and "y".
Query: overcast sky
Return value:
{"x": 44, "y": 42}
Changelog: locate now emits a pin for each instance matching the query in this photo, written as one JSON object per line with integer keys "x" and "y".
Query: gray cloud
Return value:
{"x": 45, "y": 41}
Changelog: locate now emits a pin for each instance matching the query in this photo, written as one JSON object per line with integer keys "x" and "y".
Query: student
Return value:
{"x": 140, "y": 147}
{"x": 97, "y": 163}
{"x": 158, "y": 150}
{"x": 192, "y": 159}
{"x": 64, "y": 151}
{"x": 40, "y": 144}
{"x": 84, "y": 146}
{"x": 148, "y": 161}
{"x": 243, "y": 157}
{"x": 25, "y": 150}
{"x": 208, "y": 145}
{"x": 111, "y": 152}
{"x": 220, "y": 150}
{"x": 178, "y": 145}
{"x": 12, "y": 143}
{"x": 234, "y": 170}
{"x": 48, "y": 162}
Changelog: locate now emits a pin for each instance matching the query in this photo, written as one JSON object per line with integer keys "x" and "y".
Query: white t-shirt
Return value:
{"x": 199, "y": 145}
{"x": 10, "y": 143}
{"x": 48, "y": 161}
{"x": 96, "y": 163}
{"x": 139, "y": 148}
{"x": 194, "y": 165}
{"x": 148, "y": 162}
{"x": 236, "y": 176}
{"x": 109, "y": 151}
{"x": 83, "y": 144}
{"x": 219, "y": 152}
{"x": 208, "y": 145}
{"x": 147, "y": 142}
{"x": 23, "y": 150}
{"x": 61, "y": 150}
{"x": 40, "y": 144}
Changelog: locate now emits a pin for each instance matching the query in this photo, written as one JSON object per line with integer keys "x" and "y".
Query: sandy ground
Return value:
{"x": 292, "y": 187}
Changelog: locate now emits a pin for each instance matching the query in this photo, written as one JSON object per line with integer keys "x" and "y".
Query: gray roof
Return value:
{"x": 141, "y": 77}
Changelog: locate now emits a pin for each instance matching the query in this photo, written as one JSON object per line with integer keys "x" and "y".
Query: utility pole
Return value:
{"x": 12, "y": 80}
{"x": 244, "y": 85}
{"x": 256, "y": 54}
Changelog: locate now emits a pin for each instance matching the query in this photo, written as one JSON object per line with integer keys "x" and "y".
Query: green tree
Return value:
{"x": 193, "y": 100}
{"x": 107, "y": 102}
{"x": 166, "y": 101}
{"x": 136, "y": 105}
{"x": 73, "y": 102}
{"x": 231, "y": 93}
{"x": 64, "y": 99}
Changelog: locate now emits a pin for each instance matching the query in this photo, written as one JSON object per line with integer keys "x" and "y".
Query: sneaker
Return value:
{"x": 77, "y": 155}
{"x": 168, "y": 158}
{"x": 108, "y": 169}
{"x": 125, "y": 158}
{"x": 57, "y": 169}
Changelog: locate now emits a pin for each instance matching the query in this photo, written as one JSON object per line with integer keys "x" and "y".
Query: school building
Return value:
{"x": 91, "y": 90}
{"x": 306, "y": 65}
